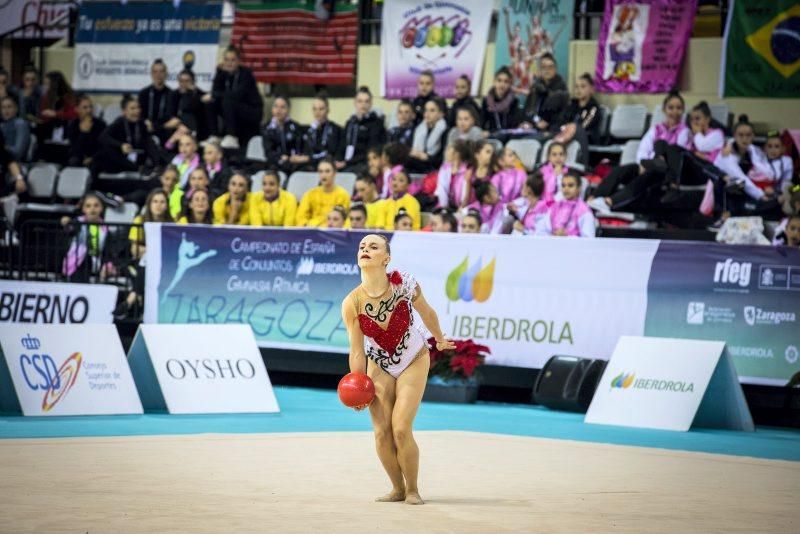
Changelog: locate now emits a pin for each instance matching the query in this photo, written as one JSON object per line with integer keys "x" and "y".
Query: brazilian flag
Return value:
{"x": 762, "y": 49}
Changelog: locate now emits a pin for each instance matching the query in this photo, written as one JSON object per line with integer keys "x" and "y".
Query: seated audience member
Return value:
{"x": 525, "y": 210}
{"x": 429, "y": 137}
{"x": 197, "y": 209}
{"x": 443, "y": 220}
{"x": 156, "y": 209}
{"x": 569, "y": 216}
{"x": 547, "y": 98}
{"x": 84, "y": 134}
{"x": 56, "y": 108}
{"x": 317, "y": 202}
{"x": 554, "y": 170}
{"x": 500, "y": 109}
{"x": 406, "y": 122}
{"x": 364, "y": 129}
{"x": 400, "y": 200}
{"x": 629, "y": 184}
{"x": 157, "y": 102}
{"x": 466, "y": 126}
{"x": 453, "y": 186}
{"x": 510, "y": 179}
{"x": 273, "y": 206}
{"x": 16, "y": 131}
{"x": 283, "y": 138}
{"x": 125, "y": 144}
{"x": 234, "y": 100}
{"x": 169, "y": 184}
{"x": 463, "y": 100}
{"x": 218, "y": 172}
{"x": 233, "y": 207}
{"x": 393, "y": 160}
{"x": 581, "y": 119}
{"x": 323, "y": 138}
{"x": 357, "y": 216}
{"x": 198, "y": 179}
{"x": 189, "y": 109}
{"x": 403, "y": 222}
{"x": 13, "y": 186}
{"x": 30, "y": 94}
{"x": 336, "y": 217}
{"x": 788, "y": 233}
{"x": 87, "y": 256}
{"x": 187, "y": 159}
{"x": 6, "y": 88}
{"x": 471, "y": 222}
{"x": 779, "y": 179}
{"x": 490, "y": 207}
{"x": 487, "y": 162}
{"x": 425, "y": 93}
{"x": 376, "y": 171}
{"x": 367, "y": 195}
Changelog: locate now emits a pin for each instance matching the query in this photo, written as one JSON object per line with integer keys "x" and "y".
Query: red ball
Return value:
{"x": 356, "y": 390}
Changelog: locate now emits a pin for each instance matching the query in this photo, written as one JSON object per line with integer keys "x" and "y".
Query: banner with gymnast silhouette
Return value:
{"x": 642, "y": 44}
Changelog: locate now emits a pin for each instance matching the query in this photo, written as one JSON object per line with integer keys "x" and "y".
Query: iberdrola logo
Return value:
{"x": 473, "y": 283}
{"x": 623, "y": 380}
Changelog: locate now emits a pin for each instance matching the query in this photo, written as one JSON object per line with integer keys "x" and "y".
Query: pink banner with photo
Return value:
{"x": 642, "y": 44}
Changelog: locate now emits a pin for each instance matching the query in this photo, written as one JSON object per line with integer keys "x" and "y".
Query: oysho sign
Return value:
{"x": 201, "y": 369}
{"x": 66, "y": 370}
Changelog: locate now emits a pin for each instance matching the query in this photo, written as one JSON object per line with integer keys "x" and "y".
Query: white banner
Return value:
{"x": 665, "y": 383}
{"x": 16, "y": 13}
{"x": 51, "y": 302}
{"x": 201, "y": 369}
{"x": 530, "y": 298}
{"x": 66, "y": 370}
{"x": 446, "y": 38}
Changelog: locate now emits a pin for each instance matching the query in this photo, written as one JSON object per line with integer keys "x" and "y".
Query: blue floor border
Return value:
{"x": 311, "y": 410}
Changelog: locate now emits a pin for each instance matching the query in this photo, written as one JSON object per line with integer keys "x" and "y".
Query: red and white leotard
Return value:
{"x": 390, "y": 338}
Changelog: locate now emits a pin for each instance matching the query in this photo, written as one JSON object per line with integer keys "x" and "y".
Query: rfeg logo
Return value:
{"x": 733, "y": 272}
{"x": 41, "y": 373}
{"x": 470, "y": 283}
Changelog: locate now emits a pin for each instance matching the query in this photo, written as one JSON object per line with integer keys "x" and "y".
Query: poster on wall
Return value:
{"x": 52, "y": 16}
{"x": 298, "y": 42}
{"x": 447, "y": 38}
{"x": 642, "y": 45}
{"x": 761, "y": 49}
{"x": 526, "y": 31}
{"x": 116, "y": 44}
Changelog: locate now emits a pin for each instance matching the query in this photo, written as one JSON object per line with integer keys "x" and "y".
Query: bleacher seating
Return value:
{"x": 629, "y": 152}
{"x": 73, "y": 182}
{"x": 42, "y": 179}
{"x": 527, "y": 150}
{"x": 125, "y": 213}
{"x": 300, "y": 182}
{"x": 255, "y": 150}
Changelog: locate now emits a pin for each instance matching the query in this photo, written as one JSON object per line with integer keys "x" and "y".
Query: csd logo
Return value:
{"x": 41, "y": 374}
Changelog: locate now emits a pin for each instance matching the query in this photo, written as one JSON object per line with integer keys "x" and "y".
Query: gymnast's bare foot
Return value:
{"x": 396, "y": 495}
{"x": 412, "y": 497}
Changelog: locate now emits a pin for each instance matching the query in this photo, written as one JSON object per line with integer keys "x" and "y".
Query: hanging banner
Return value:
{"x": 298, "y": 42}
{"x": 761, "y": 49}
{"x": 526, "y": 30}
{"x": 115, "y": 44}
{"x": 52, "y": 16}
{"x": 446, "y": 38}
{"x": 642, "y": 45}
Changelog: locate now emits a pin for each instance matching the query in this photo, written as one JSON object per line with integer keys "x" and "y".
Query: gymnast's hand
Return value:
{"x": 445, "y": 344}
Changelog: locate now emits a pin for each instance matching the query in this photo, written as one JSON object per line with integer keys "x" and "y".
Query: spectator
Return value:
{"x": 443, "y": 220}
{"x": 218, "y": 172}
{"x": 86, "y": 256}
{"x": 233, "y": 207}
{"x": 487, "y": 162}
{"x": 554, "y": 170}
{"x": 319, "y": 201}
{"x": 189, "y": 109}
{"x": 84, "y": 133}
{"x": 367, "y": 194}
{"x": 500, "y": 108}
{"x": 376, "y": 171}
{"x": 234, "y": 99}
{"x": 569, "y": 216}
{"x": 13, "y": 187}
{"x": 547, "y": 98}
{"x": 157, "y": 102}
{"x": 125, "y": 145}
{"x": 400, "y": 200}
{"x": 357, "y": 216}
{"x": 273, "y": 206}
{"x": 323, "y": 138}
{"x": 453, "y": 181}
{"x": 198, "y": 179}
{"x": 16, "y": 131}
{"x": 156, "y": 209}
{"x": 364, "y": 129}
{"x": 56, "y": 108}
{"x": 169, "y": 184}
{"x": 406, "y": 122}
{"x": 581, "y": 118}
{"x": 336, "y": 217}
{"x": 187, "y": 159}
{"x": 425, "y": 93}
{"x": 6, "y": 89}
{"x": 30, "y": 94}
{"x": 282, "y": 138}
{"x": 471, "y": 222}
{"x": 791, "y": 234}
{"x": 393, "y": 161}
{"x": 463, "y": 101}
{"x": 490, "y": 207}
{"x": 198, "y": 208}
{"x": 403, "y": 222}
{"x": 779, "y": 179}
{"x": 429, "y": 137}
{"x": 466, "y": 126}
{"x": 510, "y": 179}
{"x": 530, "y": 207}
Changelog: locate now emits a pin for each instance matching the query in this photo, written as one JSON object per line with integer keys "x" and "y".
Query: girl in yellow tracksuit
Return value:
{"x": 319, "y": 201}
{"x": 233, "y": 207}
{"x": 273, "y": 207}
{"x": 400, "y": 199}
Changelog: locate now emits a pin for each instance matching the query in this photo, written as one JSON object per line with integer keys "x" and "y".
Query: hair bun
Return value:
{"x": 744, "y": 119}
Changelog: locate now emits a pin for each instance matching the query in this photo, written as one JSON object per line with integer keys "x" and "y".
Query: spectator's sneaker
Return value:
{"x": 230, "y": 141}
{"x": 600, "y": 205}
{"x": 655, "y": 164}
{"x": 717, "y": 225}
{"x": 671, "y": 196}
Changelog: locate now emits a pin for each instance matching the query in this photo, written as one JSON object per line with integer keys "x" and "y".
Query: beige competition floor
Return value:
{"x": 325, "y": 482}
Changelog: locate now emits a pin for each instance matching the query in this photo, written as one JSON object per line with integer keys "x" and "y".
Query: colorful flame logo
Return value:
{"x": 623, "y": 380}
{"x": 67, "y": 374}
{"x": 470, "y": 283}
